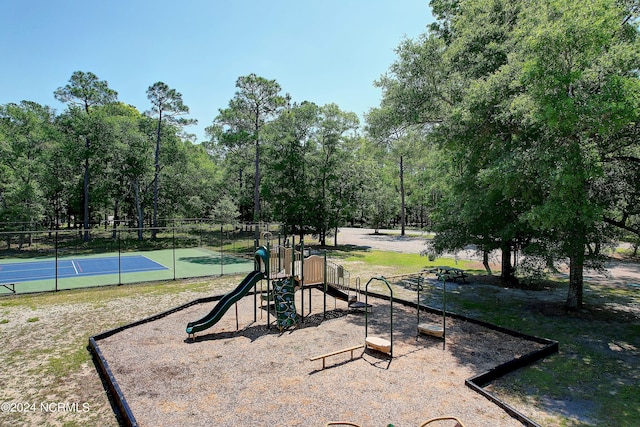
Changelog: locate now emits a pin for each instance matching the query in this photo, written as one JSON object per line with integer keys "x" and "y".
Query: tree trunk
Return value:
{"x": 576, "y": 278}
{"x": 85, "y": 187}
{"x": 256, "y": 191}
{"x": 507, "y": 275}
{"x": 485, "y": 261}
{"x": 154, "y": 230}
{"x": 139, "y": 209}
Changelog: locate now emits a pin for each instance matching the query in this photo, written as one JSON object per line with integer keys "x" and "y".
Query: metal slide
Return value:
{"x": 225, "y": 303}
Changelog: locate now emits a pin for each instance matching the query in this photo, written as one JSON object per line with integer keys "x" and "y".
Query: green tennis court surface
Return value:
{"x": 39, "y": 275}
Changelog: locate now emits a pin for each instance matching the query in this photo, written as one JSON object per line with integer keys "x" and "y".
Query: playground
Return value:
{"x": 250, "y": 363}
{"x": 247, "y": 374}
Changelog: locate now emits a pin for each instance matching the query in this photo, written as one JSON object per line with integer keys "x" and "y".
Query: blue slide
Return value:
{"x": 225, "y": 303}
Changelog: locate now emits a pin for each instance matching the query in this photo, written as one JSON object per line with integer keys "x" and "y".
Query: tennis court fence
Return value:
{"x": 51, "y": 260}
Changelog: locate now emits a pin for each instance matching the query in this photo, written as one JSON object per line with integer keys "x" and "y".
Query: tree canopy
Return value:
{"x": 530, "y": 102}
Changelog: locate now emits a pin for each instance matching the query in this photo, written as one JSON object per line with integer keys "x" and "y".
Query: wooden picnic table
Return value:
{"x": 450, "y": 273}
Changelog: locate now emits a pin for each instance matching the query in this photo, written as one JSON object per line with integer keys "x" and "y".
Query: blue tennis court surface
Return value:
{"x": 44, "y": 270}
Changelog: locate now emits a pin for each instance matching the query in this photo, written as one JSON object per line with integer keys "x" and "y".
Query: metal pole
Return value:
{"x": 119, "y": 261}
{"x": 302, "y": 275}
{"x": 173, "y": 227}
{"x": 444, "y": 312}
{"x": 324, "y": 309}
{"x": 221, "y": 250}
{"x": 267, "y": 272}
{"x": 293, "y": 274}
{"x": 56, "y": 253}
{"x": 418, "y": 323}
{"x": 390, "y": 312}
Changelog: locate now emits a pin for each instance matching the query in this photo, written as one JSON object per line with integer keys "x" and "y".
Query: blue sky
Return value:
{"x": 321, "y": 51}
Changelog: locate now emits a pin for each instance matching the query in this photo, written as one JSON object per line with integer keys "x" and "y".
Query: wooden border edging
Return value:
{"x": 117, "y": 398}
{"x": 476, "y": 383}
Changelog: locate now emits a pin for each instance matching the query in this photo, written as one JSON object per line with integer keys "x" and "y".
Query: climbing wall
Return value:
{"x": 284, "y": 298}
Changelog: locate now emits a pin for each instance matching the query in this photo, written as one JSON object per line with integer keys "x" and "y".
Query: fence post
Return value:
{"x": 119, "y": 260}
{"x": 55, "y": 244}
{"x": 221, "y": 249}
{"x": 324, "y": 285}
{"x": 173, "y": 227}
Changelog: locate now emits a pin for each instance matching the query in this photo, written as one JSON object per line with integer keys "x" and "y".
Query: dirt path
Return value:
{"x": 617, "y": 272}
{"x": 385, "y": 240}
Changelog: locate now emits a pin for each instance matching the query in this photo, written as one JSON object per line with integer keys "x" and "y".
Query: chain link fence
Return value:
{"x": 51, "y": 260}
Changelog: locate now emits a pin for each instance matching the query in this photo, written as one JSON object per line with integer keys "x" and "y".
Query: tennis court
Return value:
{"x": 79, "y": 271}
{"x": 43, "y": 270}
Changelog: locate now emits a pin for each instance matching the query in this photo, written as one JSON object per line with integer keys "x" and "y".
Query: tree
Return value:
{"x": 287, "y": 174}
{"x": 85, "y": 91}
{"x": 25, "y": 132}
{"x": 129, "y": 164}
{"x": 329, "y": 159}
{"x": 256, "y": 102}
{"x": 525, "y": 115}
{"x": 579, "y": 65}
{"x": 401, "y": 142}
{"x": 167, "y": 105}
{"x": 438, "y": 88}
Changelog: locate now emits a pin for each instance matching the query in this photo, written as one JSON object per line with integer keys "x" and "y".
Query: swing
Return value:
{"x": 378, "y": 343}
{"x": 434, "y": 329}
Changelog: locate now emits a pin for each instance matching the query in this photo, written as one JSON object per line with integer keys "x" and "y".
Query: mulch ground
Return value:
{"x": 241, "y": 372}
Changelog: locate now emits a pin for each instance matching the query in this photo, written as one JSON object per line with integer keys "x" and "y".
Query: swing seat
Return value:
{"x": 431, "y": 329}
{"x": 379, "y": 344}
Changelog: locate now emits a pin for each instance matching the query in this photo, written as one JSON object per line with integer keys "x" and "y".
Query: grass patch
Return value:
{"x": 407, "y": 263}
{"x": 32, "y": 319}
{"x": 598, "y": 363}
{"x": 4, "y": 321}
{"x": 63, "y": 366}
{"x": 97, "y": 296}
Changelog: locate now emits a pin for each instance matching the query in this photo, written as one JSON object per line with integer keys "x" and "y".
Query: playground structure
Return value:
{"x": 230, "y": 298}
{"x": 417, "y": 282}
{"x": 432, "y": 329}
{"x": 430, "y": 421}
{"x": 377, "y": 343}
{"x": 286, "y": 271}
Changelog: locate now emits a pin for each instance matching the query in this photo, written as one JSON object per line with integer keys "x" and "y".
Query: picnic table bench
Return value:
{"x": 415, "y": 282}
{"x": 449, "y": 273}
